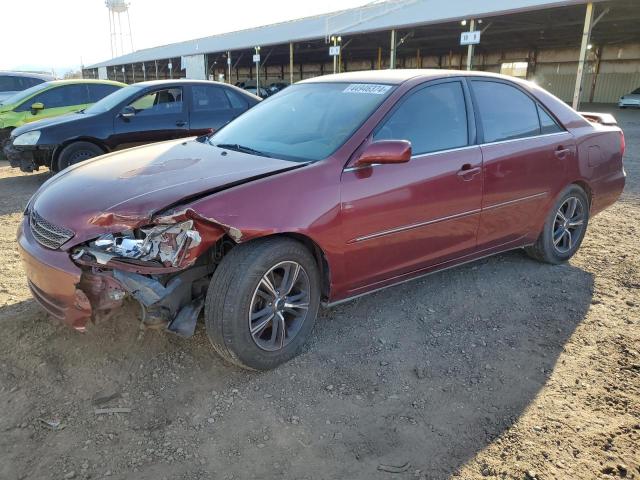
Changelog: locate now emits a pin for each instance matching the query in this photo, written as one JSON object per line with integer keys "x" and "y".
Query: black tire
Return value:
{"x": 233, "y": 291}
{"x": 546, "y": 249}
{"x": 77, "y": 152}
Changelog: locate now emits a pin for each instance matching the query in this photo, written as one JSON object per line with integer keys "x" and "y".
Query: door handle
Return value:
{"x": 561, "y": 152}
{"x": 467, "y": 172}
{"x": 180, "y": 123}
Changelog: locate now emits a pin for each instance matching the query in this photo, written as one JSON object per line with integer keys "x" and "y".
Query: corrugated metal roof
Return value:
{"x": 369, "y": 18}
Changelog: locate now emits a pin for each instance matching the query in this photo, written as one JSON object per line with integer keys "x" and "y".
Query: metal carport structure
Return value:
{"x": 418, "y": 33}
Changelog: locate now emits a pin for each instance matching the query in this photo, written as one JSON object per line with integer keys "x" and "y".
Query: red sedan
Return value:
{"x": 336, "y": 187}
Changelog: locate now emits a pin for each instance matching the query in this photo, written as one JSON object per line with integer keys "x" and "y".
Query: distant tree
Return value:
{"x": 73, "y": 74}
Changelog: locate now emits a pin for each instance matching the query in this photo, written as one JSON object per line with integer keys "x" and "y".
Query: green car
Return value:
{"x": 51, "y": 99}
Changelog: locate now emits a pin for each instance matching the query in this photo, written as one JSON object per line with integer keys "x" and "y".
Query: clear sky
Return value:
{"x": 58, "y": 35}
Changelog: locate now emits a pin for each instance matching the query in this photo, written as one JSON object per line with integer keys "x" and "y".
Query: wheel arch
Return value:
{"x": 318, "y": 254}
{"x": 584, "y": 185}
{"x": 56, "y": 153}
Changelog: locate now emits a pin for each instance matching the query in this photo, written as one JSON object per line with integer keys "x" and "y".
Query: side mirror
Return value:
{"x": 128, "y": 112}
{"x": 384, "y": 152}
{"x": 36, "y": 107}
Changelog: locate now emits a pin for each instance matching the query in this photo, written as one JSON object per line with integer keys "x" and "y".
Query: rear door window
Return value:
{"x": 505, "y": 112}
{"x": 433, "y": 119}
{"x": 207, "y": 98}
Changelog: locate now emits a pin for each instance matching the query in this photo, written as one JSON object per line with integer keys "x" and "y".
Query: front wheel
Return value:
{"x": 564, "y": 228}
{"x": 77, "y": 152}
{"x": 262, "y": 303}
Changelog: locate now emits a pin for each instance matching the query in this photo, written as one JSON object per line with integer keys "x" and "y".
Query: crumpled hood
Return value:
{"x": 125, "y": 189}
{"x": 45, "y": 122}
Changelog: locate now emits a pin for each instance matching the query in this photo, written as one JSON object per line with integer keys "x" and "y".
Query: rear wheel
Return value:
{"x": 564, "y": 228}
{"x": 262, "y": 303}
{"x": 77, "y": 152}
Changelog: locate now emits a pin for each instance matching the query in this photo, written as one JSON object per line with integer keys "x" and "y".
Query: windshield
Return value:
{"x": 636, "y": 91}
{"x": 20, "y": 96}
{"x": 305, "y": 122}
{"x": 110, "y": 101}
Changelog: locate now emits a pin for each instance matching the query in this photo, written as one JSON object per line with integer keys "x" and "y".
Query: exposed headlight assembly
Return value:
{"x": 167, "y": 244}
{"x": 29, "y": 138}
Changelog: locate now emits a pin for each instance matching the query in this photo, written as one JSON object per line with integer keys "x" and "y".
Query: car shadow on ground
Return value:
{"x": 427, "y": 374}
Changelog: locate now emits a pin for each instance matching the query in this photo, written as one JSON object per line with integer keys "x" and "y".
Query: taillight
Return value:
{"x": 623, "y": 145}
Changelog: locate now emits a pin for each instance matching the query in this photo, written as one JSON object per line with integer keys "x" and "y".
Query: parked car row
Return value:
{"x": 263, "y": 91}
{"x": 336, "y": 187}
{"x": 50, "y": 99}
{"x": 133, "y": 115}
{"x": 14, "y": 82}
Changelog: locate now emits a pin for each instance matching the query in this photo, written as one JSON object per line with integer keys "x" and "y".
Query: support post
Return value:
{"x": 392, "y": 56}
{"x": 472, "y": 27}
{"x": 596, "y": 72}
{"x": 144, "y": 72}
{"x": 133, "y": 72}
{"x": 586, "y": 35}
{"x": 156, "y": 62}
{"x": 291, "y": 63}
{"x": 229, "y": 65}
{"x": 379, "y": 58}
{"x": 418, "y": 59}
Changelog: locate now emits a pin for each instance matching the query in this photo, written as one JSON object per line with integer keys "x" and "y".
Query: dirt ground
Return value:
{"x": 504, "y": 368}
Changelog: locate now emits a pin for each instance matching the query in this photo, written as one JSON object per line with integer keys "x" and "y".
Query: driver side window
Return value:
{"x": 433, "y": 119}
{"x": 159, "y": 102}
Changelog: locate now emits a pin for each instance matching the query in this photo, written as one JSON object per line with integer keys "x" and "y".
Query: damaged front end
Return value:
{"x": 165, "y": 267}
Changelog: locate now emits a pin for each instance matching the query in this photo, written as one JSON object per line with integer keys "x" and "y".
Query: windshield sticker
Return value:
{"x": 369, "y": 88}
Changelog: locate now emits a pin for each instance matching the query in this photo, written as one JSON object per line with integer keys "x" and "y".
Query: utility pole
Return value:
{"x": 336, "y": 41}
{"x": 256, "y": 59}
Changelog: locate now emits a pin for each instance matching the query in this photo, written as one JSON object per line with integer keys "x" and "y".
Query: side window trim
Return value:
{"x": 471, "y": 126}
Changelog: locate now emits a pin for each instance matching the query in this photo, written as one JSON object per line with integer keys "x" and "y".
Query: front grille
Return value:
{"x": 46, "y": 233}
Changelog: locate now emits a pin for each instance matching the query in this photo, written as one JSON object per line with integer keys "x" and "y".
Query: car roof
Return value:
{"x": 41, "y": 76}
{"x": 73, "y": 81}
{"x": 177, "y": 81}
{"x": 399, "y": 76}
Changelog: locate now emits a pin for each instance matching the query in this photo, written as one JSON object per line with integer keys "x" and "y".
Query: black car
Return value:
{"x": 142, "y": 113}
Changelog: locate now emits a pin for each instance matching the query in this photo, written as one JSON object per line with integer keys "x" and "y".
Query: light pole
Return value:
{"x": 256, "y": 57}
{"x": 336, "y": 41}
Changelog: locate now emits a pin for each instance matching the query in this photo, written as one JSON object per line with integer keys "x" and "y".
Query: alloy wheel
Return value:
{"x": 568, "y": 225}
{"x": 279, "y": 306}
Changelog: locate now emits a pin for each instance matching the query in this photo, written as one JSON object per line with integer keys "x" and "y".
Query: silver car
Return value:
{"x": 630, "y": 99}
{"x": 13, "y": 82}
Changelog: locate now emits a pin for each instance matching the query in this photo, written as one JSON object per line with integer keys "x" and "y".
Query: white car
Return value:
{"x": 13, "y": 82}
{"x": 630, "y": 99}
